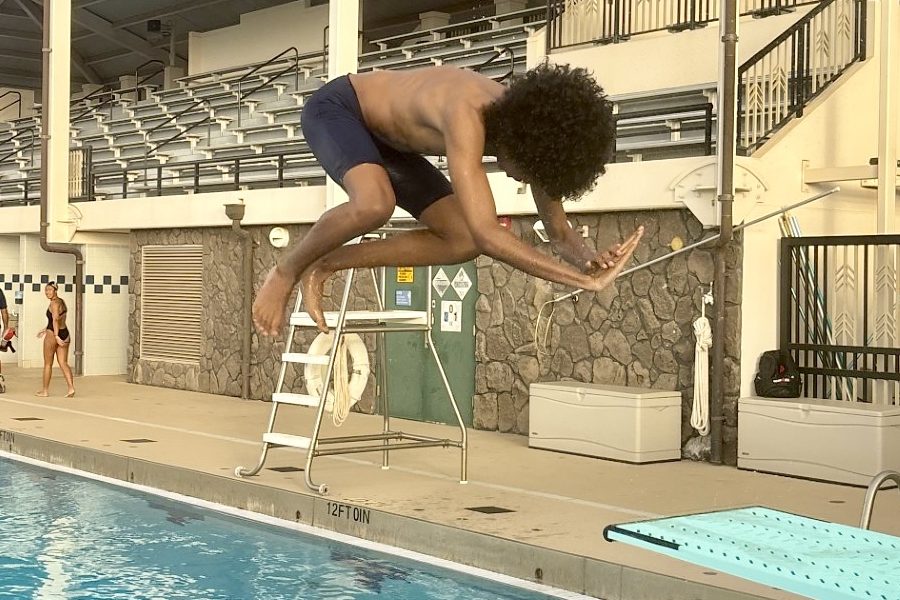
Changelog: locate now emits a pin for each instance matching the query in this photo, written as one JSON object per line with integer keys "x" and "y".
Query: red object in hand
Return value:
{"x": 9, "y": 334}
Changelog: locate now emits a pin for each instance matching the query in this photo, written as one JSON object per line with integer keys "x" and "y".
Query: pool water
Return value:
{"x": 62, "y": 537}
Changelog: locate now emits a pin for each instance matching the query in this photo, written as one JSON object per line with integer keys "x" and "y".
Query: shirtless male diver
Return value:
{"x": 552, "y": 128}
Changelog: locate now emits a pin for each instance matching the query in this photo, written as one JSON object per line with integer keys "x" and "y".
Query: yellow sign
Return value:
{"x": 405, "y": 275}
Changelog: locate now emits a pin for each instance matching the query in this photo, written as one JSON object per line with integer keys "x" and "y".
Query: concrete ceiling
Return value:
{"x": 110, "y": 37}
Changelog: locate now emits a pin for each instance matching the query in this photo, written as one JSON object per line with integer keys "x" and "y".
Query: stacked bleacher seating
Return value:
{"x": 239, "y": 128}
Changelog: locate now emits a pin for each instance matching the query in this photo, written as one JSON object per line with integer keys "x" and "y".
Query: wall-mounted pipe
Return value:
{"x": 726, "y": 150}
{"x": 235, "y": 212}
{"x": 72, "y": 249}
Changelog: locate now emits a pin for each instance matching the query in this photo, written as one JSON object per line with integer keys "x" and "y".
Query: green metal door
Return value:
{"x": 415, "y": 388}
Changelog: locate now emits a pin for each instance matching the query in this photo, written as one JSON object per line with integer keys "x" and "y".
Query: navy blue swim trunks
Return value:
{"x": 334, "y": 128}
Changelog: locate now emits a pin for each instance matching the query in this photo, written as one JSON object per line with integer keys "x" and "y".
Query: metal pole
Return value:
{"x": 727, "y": 95}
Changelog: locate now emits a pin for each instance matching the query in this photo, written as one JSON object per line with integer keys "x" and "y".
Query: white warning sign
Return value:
{"x": 440, "y": 282}
{"x": 462, "y": 284}
{"x": 451, "y": 315}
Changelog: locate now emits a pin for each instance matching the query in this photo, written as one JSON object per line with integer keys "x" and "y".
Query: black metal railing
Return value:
{"x": 200, "y": 175}
{"x": 269, "y": 169}
{"x": 29, "y": 131}
{"x": 137, "y": 71}
{"x": 689, "y": 118}
{"x": 573, "y": 22}
{"x": 779, "y": 81}
{"x": 838, "y": 315}
{"x": 152, "y": 148}
{"x": 111, "y": 95}
{"x": 240, "y": 82}
{"x": 17, "y": 101}
{"x": 496, "y": 55}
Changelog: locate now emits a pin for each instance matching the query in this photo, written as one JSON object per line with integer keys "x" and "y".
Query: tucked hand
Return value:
{"x": 603, "y": 277}
{"x": 610, "y": 257}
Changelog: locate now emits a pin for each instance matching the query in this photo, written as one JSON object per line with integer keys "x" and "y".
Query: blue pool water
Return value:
{"x": 63, "y": 537}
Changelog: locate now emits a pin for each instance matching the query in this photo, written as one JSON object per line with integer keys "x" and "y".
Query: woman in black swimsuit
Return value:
{"x": 56, "y": 341}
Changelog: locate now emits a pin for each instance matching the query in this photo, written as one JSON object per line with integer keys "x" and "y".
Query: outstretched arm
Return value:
{"x": 569, "y": 244}
{"x": 565, "y": 240}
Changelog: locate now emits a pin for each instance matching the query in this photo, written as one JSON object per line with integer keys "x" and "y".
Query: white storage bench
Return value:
{"x": 630, "y": 424}
{"x": 845, "y": 442}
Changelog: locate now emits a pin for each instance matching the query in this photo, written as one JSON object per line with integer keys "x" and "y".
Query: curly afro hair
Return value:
{"x": 555, "y": 124}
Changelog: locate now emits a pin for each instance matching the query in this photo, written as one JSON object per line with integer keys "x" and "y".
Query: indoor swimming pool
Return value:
{"x": 64, "y": 537}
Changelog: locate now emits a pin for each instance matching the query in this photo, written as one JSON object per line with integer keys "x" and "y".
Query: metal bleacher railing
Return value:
{"x": 574, "y": 22}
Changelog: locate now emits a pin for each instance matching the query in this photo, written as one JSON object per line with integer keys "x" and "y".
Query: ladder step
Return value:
{"x": 400, "y": 317}
{"x": 286, "y": 439}
{"x": 306, "y": 359}
{"x": 296, "y": 399}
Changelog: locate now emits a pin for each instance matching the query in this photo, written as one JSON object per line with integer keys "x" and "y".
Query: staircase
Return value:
{"x": 779, "y": 81}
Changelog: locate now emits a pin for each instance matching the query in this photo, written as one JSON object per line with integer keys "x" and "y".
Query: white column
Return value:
{"x": 57, "y": 166}
{"x": 343, "y": 56}
{"x": 888, "y": 115}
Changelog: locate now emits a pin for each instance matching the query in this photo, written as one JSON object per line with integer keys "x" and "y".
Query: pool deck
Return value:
{"x": 559, "y": 503}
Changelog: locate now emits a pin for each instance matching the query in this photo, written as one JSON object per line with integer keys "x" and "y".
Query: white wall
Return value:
{"x": 259, "y": 36}
{"x": 663, "y": 60}
{"x": 13, "y": 112}
{"x": 106, "y": 309}
{"x": 839, "y": 129}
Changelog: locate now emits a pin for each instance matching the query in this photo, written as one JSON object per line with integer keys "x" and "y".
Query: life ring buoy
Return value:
{"x": 354, "y": 382}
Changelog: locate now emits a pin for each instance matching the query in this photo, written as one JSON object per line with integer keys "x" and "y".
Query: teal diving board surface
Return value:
{"x": 805, "y": 556}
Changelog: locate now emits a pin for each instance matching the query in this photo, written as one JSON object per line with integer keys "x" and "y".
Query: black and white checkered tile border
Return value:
{"x": 97, "y": 284}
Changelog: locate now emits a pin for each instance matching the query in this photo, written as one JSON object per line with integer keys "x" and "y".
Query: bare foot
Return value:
{"x": 268, "y": 309}
{"x": 313, "y": 282}
{"x": 42, "y": 394}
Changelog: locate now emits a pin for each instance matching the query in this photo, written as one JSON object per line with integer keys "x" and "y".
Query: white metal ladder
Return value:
{"x": 381, "y": 322}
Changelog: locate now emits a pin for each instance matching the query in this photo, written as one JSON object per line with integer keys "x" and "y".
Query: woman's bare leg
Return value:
{"x": 371, "y": 204}
{"x": 49, "y": 353}
{"x": 62, "y": 357}
{"x": 446, "y": 241}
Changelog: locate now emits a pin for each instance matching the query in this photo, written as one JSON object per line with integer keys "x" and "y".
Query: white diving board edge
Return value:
{"x": 817, "y": 559}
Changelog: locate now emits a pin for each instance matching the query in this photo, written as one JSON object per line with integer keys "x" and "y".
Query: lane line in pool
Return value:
{"x": 310, "y": 530}
{"x": 410, "y": 471}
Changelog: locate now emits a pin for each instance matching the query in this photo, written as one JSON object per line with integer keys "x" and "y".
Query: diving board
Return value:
{"x": 805, "y": 556}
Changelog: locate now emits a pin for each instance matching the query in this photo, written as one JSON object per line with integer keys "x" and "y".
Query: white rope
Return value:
{"x": 700, "y": 414}
{"x": 540, "y": 341}
{"x": 342, "y": 400}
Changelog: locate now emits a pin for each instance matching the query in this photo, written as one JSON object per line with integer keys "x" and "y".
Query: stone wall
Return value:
{"x": 219, "y": 368}
{"x": 637, "y": 333}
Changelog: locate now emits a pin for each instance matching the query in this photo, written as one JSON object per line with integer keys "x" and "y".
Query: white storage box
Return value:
{"x": 846, "y": 442}
{"x": 629, "y": 424}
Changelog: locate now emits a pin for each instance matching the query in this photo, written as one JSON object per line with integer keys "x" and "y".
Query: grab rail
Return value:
{"x": 112, "y": 97}
{"x": 240, "y": 81}
{"x": 144, "y": 64}
{"x": 14, "y": 102}
{"x": 497, "y": 54}
{"x": 30, "y": 132}
{"x": 874, "y": 487}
